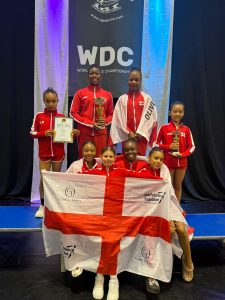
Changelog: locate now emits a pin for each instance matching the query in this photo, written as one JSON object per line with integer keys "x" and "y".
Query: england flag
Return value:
{"x": 108, "y": 225}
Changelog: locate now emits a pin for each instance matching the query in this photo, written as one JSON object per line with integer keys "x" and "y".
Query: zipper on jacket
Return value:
{"x": 178, "y": 160}
{"x": 51, "y": 135}
{"x": 131, "y": 167}
{"x": 107, "y": 171}
{"x": 94, "y": 112}
{"x": 134, "y": 113}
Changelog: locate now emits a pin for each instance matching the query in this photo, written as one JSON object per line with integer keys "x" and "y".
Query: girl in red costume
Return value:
{"x": 128, "y": 160}
{"x": 178, "y": 223}
{"x": 108, "y": 156}
{"x": 51, "y": 154}
{"x": 92, "y": 110}
{"x": 135, "y": 115}
{"x": 87, "y": 162}
{"x": 175, "y": 139}
{"x": 88, "y": 165}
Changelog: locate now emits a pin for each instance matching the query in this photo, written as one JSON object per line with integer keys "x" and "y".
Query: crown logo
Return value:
{"x": 107, "y": 2}
{"x": 106, "y": 6}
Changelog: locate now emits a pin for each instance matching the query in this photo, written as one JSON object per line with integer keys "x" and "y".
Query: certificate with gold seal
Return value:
{"x": 63, "y": 130}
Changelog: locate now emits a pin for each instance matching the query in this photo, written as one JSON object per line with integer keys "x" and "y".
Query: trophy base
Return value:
{"x": 101, "y": 127}
{"x": 174, "y": 152}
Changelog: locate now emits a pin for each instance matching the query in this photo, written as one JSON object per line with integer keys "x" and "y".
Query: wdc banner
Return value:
{"x": 107, "y": 33}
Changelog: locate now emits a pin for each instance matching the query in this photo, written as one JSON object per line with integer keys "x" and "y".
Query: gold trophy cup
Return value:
{"x": 176, "y": 138}
{"x": 99, "y": 109}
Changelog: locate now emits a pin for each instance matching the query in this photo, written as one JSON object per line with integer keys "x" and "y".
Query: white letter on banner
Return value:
{"x": 120, "y": 56}
{"x": 112, "y": 56}
{"x": 87, "y": 55}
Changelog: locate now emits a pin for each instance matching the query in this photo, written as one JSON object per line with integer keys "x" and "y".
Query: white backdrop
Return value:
{"x": 157, "y": 53}
{"x": 51, "y": 64}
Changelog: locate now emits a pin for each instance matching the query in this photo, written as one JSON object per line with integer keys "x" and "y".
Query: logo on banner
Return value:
{"x": 70, "y": 198}
{"x": 70, "y": 191}
{"x": 106, "y": 6}
{"x": 107, "y": 55}
{"x": 145, "y": 253}
{"x": 154, "y": 198}
{"x": 69, "y": 250}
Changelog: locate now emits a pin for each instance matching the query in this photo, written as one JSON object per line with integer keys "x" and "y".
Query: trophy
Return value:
{"x": 176, "y": 138}
{"x": 99, "y": 109}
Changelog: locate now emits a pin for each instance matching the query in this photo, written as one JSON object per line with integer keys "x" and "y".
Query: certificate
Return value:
{"x": 63, "y": 130}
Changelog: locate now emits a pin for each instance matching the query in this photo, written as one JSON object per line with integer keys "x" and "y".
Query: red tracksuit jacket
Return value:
{"x": 80, "y": 166}
{"x": 135, "y": 105}
{"x": 116, "y": 172}
{"x": 45, "y": 121}
{"x": 83, "y": 109}
{"x": 136, "y": 166}
{"x": 150, "y": 171}
{"x": 111, "y": 171}
{"x": 186, "y": 144}
{"x": 134, "y": 112}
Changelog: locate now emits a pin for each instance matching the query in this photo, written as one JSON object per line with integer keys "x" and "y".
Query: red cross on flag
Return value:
{"x": 108, "y": 224}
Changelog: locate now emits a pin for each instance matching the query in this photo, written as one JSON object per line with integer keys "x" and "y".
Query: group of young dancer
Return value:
{"x": 134, "y": 123}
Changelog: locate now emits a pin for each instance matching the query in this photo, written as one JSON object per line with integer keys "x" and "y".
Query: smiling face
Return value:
{"x": 94, "y": 76}
{"x": 155, "y": 159}
{"x": 177, "y": 113}
{"x": 89, "y": 152}
{"x": 130, "y": 151}
{"x": 50, "y": 101}
{"x": 108, "y": 158}
{"x": 134, "y": 81}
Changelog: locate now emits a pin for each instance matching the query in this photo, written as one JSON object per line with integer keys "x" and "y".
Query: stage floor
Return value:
{"x": 27, "y": 274}
{"x": 21, "y": 218}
